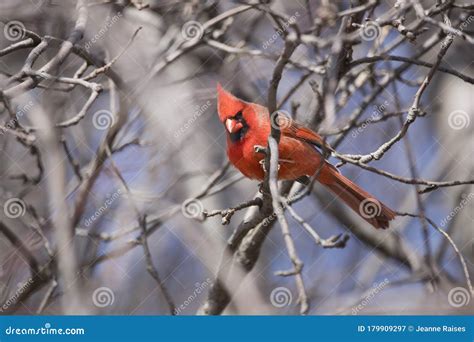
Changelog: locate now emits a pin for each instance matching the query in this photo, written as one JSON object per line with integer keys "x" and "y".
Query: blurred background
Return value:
{"x": 111, "y": 152}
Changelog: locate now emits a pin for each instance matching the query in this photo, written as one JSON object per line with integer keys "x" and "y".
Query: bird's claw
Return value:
{"x": 262, "y": 163}
{"x": 260, "y": 149}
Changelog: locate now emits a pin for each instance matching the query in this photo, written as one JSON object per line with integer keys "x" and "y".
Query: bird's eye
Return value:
{"x": 238, "y": 116}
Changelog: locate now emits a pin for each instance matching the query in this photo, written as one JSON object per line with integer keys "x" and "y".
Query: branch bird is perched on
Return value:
{"x": 248, "y": 125}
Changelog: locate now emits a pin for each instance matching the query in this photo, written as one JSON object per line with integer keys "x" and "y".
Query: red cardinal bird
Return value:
{"x": 248, "y": 125}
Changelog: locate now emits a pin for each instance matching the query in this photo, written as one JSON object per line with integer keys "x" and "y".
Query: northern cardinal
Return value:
{"x": 248, "y": 125}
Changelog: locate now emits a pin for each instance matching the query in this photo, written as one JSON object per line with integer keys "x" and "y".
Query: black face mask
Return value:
{"x": 239, "y": 135}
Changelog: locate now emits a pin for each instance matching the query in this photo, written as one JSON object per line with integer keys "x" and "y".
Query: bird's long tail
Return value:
{"x": 363, "y": 203}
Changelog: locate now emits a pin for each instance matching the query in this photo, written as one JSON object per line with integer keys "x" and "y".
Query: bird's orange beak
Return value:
{"x": 233, "y": 126}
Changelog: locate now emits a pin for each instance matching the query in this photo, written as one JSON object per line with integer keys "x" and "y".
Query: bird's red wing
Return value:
{"x": 353, "y": 195}
{"x": 297, "y": 131}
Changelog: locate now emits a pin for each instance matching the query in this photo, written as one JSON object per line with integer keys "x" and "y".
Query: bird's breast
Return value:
{"x": 296, "y": 158}
{"x": 243, "y": 156}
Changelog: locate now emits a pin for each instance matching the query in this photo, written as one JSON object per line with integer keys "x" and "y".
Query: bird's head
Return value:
{"x": 237, "y": 116}
{"x": 231, "y": 113}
